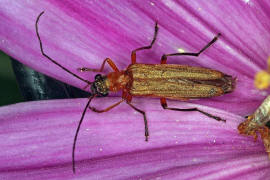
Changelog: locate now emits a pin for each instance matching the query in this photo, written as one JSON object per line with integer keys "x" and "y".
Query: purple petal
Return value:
{"x": 83, "y": 33}
{"x": 36, "y": 142}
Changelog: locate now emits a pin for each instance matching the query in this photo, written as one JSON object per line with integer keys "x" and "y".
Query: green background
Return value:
{"x": 9, "y": 90}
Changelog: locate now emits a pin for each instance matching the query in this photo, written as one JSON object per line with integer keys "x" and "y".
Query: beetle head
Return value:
{"x": 99, "y": 86}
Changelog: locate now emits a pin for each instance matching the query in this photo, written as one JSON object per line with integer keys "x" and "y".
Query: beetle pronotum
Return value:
{"x": 164, "y": 81}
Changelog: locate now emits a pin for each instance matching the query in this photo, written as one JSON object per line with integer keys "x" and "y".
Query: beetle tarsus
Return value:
{"x": 146, "y": 138}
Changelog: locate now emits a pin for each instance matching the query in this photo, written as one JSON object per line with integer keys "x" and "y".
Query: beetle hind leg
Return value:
{"x": 164, "y": 57}
{"x": 165, "y": 106}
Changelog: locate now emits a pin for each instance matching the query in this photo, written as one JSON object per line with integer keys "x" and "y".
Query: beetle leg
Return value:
{"x": 133, "y": 53}
{"x": 165, "y": 106}
{"x": 126, "y": 96}
{"x": 136, "y": 109}
{"x": 146, "y": 133}
{"x": 108, "y": 60}
{"x": 106, "y": 109}
{"x": 164, "y": 57}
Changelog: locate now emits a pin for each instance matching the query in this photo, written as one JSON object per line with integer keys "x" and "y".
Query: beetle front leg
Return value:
{"x": 165, "y": 106}
{"x": 106, "y": 109}
{"x": 108, "y": 60}
{"x": 164, "y": 57}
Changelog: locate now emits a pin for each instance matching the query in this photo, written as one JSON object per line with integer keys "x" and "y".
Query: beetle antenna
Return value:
{"x": 53, "y": 61}
{"x": 77, "y": 132}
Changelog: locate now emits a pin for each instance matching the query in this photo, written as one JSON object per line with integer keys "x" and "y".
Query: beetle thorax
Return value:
{"x": 117, "y": 80}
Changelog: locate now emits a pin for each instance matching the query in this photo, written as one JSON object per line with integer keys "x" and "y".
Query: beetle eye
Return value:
{"x": 98, "y": 77}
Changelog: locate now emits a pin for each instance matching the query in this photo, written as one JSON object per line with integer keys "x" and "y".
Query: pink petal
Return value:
{"x": 36, "y": 142}
{"x": 83, "y": 33}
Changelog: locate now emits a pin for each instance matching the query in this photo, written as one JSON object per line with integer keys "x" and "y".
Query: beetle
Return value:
{"x": 258, "y": 123}
{"x": 164, "y": 81}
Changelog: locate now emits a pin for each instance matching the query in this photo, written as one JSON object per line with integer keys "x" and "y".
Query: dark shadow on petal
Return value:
{"x": 36, "y": 86}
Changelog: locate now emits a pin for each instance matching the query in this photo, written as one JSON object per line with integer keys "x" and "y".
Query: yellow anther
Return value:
{"x": 262, "y": 79}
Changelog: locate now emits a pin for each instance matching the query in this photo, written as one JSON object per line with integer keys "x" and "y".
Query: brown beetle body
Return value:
{"x": 170, "y": 81}
{"x": 164, "y": 81}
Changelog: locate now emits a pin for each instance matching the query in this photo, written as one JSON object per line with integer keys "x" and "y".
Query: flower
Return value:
{"x": 36, "y": 137}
